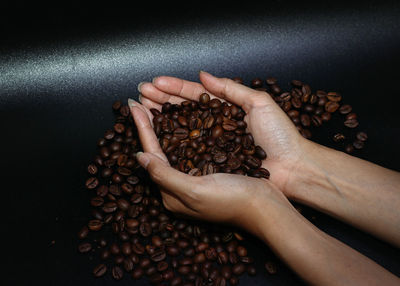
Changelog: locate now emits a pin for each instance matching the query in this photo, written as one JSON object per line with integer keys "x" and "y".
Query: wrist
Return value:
{"x": 309, "y": 173}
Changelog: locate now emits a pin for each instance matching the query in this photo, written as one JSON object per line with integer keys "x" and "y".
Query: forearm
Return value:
{"x": 317, "y": 257}
{"x": 350, "y": 189}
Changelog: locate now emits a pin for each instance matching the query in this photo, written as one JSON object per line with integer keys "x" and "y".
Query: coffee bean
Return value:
{"x": 100, "y": 270}
{"x": 117, "y": 273}
{"x": 92, "y": 183}
{"x": 251, "y": 270}
{"x": 270, "y": 267}
{"x": 92, "y": 169}
{"x": 331, "y": 106}
{"x": 351, "y": 123}
{"x": 339, "y": 137}
{"x": 358, "y": 144}
{"x": 138, "y": 248}
{"x": 345, "y": 109}
{"x": 84, "y": 247}
{"x": 305, "y": 120}
{"x": 362, "y": 136}
{"x": 204, "y": 98}
{"x": 238, "y": 269}
{"x": 349, "y": 148}
{"x": 83, "y": 233}
{"x": 97, "y": 201}
{"x": 241, "y": 251}
{"x": 159, "y": 255}
{"x": 334, "y": 96}
{"x": 95, "y": 225}
{"x": 137, "y": 273}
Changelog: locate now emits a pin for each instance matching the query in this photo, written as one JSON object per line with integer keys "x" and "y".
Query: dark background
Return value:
{"x": 62, "y": 67}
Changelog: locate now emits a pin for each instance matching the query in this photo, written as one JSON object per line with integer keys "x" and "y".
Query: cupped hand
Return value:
{"x": 227, "y": 198}
{"x": 270, "y": 126}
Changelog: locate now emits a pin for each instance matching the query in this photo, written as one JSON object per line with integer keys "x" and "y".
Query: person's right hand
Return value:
{"x": 270, "y": 126}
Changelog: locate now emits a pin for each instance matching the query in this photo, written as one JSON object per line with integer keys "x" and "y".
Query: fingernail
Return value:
{"x": 140, "y": 98}
{"x": 154, "y": 79}
{"x": 131, "y": 102}
{"x": 142, "y": 159}
{"x": 140, "y": 85}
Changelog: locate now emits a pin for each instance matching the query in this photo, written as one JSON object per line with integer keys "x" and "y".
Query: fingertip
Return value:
{"x": 131, "y": 103}
{"x": 143, "y": 159}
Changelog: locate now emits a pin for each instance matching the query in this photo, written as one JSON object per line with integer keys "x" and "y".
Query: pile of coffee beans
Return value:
{"x": 310, "y": 109}
{"x": 133, "y": 235}
{"x": 206, "y": 137}
{"x": 130, "y": 230}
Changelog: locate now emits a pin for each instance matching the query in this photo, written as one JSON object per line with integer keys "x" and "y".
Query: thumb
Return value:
{"x": 167, "y": 177}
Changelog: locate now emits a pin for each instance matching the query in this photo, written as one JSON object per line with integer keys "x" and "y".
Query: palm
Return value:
{"x": 270, "y": 126}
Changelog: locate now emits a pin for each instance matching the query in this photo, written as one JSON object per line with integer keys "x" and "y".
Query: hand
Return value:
{"x": 271, "y": 127}
{"x": 233, "y": 199}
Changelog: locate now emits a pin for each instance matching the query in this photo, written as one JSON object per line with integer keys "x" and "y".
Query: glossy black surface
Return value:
{"x": 59, "y": 76}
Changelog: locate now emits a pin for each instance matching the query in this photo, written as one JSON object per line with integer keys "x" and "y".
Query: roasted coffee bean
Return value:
{"x": 217, "y": 131}
{"x": 117, "y": 273}
{"x": 238, "y": 269}
{"x": 138, "y": 248}
{"x": 97, "y": 201}
{"x": 316, "y": 120}
{"x": 223, "y": 257}
{"x": 92, "y": 183}
{"x": 199, "y": 258}
{"x": 253, "y": 162}
{"x": 184, "y": 270}
{"x": 204, "y": 98}
{"x": 95, "y": 225}
{"x": 84, "y": 247}
{"x": 331, "y": 106}
{"x": 241, "y": 251}
{"x": 145, "y": 262}
{"x": 92, "y": 169}
{"x": 339, "y": 137}
{"x": 150, "y": 271}
{"x": 251, "y": 270}
{"x": 158, "y": 255}
{"x": 137, "y": 273}
{"x": 358, "y": 144}
{"x": 234, "y": 281}
{"x": 349, "y": 148}
{"x": 351, "y": 123}
{"x": 345, "y": 109}
{"x": 128, "y": 264}
{"x": 136, "y": 198}
{"x": 326, "y": 116}
{"x": 102, "y": 191}
{"x": 233, "y": 258}
{"x": 100, "y": 270}
{"x": 83, "y": 233}
{"x": 351, "y": 116}
{"x": 305, "y": 120}
{"x": 270, "y": 267}
{"x": 362, "y": 136}
{"x": 110, "y": 207}
{"x": 105, "y": 254}
{"x": 173, "y": 250}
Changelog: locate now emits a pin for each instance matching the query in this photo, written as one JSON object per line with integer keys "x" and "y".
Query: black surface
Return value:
{"x": 60, "y": 72}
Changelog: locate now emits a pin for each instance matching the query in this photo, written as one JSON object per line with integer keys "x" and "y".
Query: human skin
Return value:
{"x": 356, "y": 191}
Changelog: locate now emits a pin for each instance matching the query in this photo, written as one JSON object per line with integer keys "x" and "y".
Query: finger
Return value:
{"x": 151, "y": 92}
{"x": 148, "y": 103}
{"x": 176, "y": 182}
{"x": 146, "y": 133}
{"x": 179, "y": 88}
{"x": 230, "y": 90}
